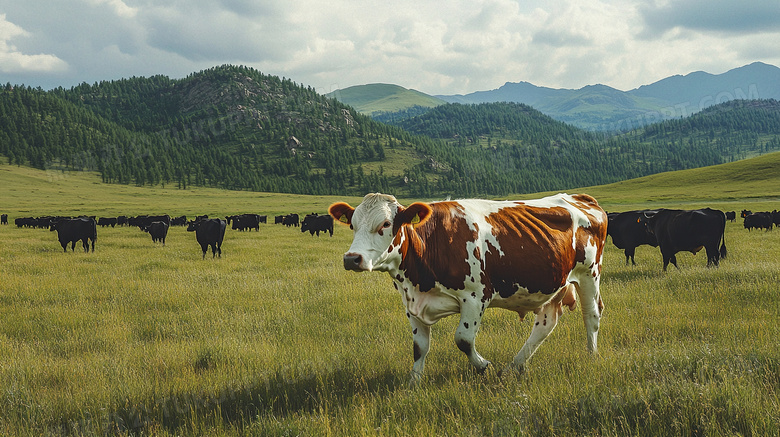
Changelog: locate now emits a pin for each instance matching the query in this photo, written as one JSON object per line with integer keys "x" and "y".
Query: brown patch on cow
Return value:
{"x": 538, "y": 253}
{"x": 585, "y": 201}
{"x": 583, "y": 237}
{"x": 568, "y": 297}
{"x": 436, "y": 250}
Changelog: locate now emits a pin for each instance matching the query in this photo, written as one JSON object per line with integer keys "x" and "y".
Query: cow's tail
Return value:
{"x": 723, "y": 251}
{"x": 94, "y": 234}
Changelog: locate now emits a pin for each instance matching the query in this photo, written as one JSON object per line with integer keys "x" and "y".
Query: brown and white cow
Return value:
{"x": 465, "y": 256}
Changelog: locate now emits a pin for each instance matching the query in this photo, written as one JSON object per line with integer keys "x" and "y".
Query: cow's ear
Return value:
{"x": 342, "y": 212}
{"x": 416, "y": 214}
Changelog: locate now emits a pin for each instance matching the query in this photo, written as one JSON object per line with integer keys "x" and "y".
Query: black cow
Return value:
{"x": 179, "y": 221}
{"x": 316, "y": 223}
{"x": 291, "y": 220}
{"x": 107, "y": 221}
{"x": 683, "y": 230}
{"x": 278, "y": 220}
{"x": 73, "y": 230}
{"x": 3, "y": 219}
{"x": 775, "y": 218}
{"x": 628, "y": 232}
{"x": 142, "y": 221}
{"x": 244, "y": 221}
{"x": 158, "y": 231}
{"x": 263, "y": 219}
{"x": 745, "y": 213}
{"x": 121, "y": 220}
{"x": 37, "y": 222}
{"x": 759, "y": 220}
{"x": 731, "y": 216}
{"x": 209, "y": 232}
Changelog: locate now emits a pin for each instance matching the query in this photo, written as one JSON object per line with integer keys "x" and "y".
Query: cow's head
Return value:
{"x": 193, "y": 225}
{"x": 375, "y": 222}
{"x": 647, "y": 220}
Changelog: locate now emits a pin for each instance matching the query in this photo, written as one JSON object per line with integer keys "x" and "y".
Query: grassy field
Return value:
{"x": 275, "y": 338}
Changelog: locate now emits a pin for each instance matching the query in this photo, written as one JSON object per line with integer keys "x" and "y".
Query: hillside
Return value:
{"x": 753, "y": 180}
{"x": 376, "y": 99}
{"x": 236, "y": 128}
{"x": 29, "y": 191}
{"x": 524, "y": 140}
{"x": 227, "y": 127}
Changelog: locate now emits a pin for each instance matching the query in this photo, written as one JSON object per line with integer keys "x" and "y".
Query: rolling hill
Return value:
{"x": 378, "y": 98}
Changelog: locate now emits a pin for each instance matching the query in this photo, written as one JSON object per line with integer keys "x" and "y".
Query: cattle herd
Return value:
{"x": 674, "y": 231}
{"x": 209, "y": 232}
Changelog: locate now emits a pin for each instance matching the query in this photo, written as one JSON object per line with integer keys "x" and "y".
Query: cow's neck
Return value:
{"x": 410, "y": 259}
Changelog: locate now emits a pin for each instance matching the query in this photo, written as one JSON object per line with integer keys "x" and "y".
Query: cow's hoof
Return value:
{"x": 415, "y": 380}
{"x": 511, "y": 371}
{"x": 483, "y": 370}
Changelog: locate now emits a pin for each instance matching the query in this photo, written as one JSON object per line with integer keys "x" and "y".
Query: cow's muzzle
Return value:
{"x": 353, "y": 261}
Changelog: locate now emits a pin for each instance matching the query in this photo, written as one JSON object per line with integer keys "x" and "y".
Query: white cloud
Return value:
{"x": 117, "y": 6}
{"x": 460, "y": 47}
{"x": 14, "y": 61}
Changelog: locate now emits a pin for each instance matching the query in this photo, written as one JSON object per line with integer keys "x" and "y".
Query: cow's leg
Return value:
{"x": 590, "y": 301}
{"x": 630, "y": 254}
{"x": 713, "y": 256}
{"x": 422, "y": 343}
{"x": 546, "y": 319}
{"x": 670, "y": 258}
{"x": 465, "y": 335}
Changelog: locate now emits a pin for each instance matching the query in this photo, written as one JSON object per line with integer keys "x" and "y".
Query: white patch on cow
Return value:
{"x": 366, "y": 221}
{"x": 428, "y": 307}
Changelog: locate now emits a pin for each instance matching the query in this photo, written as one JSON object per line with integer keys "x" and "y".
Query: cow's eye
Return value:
{"x": 386, "y": 224}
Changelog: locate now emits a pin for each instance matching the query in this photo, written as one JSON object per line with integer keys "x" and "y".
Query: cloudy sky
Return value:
{"x": 438, "y": 47}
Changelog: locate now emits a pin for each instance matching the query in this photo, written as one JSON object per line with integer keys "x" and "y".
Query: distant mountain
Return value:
{"x": 698, "y": 90}
{"x": 520, "y": 92}
{"x": 378, "y": 98}
{"x": 594, "y": 107}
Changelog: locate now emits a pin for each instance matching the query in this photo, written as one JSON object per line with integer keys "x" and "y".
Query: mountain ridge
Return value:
{"x": 604, "y": 108}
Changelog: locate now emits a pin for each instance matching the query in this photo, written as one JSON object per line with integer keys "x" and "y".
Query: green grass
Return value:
{"x": 275, "y": 338}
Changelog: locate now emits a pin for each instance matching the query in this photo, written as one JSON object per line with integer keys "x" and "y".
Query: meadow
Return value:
{"x": 275, "y": 338}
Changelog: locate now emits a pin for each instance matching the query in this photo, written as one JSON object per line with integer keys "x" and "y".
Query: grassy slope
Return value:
{"x": 372, "y": 98}
{"x": 276, "y": 339}
{"x": 31, "y": 192}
